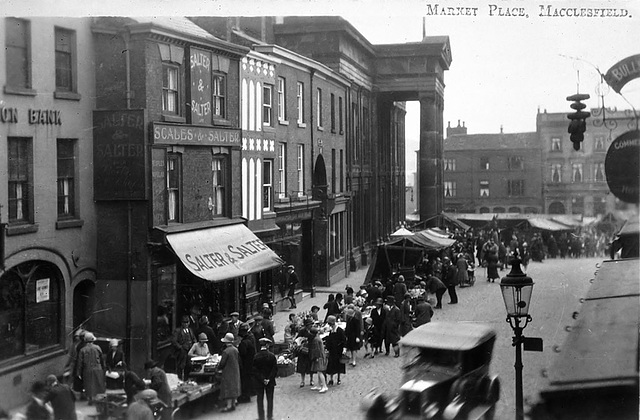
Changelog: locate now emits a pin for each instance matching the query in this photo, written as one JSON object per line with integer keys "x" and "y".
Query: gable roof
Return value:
{"x": 492, "y": 141}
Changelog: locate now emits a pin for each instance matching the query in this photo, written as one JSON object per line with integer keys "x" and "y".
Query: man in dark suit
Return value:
{"x": 183, "y": 338}
{"x": 37, "y": 409}
{"x": 62, "y": 399}
{"x": 265, "y": 368}
{"x": 114, "y": 356}
{"x": 246, "y": 350}
{"x": 234, "y": 324}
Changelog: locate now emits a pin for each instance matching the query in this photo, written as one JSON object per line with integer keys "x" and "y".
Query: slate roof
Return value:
{"x": 176, "y": 23}
{"x": 492, "y": 141}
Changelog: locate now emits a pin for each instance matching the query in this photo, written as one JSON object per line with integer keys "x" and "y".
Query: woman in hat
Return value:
{"x": 318, "y": 360}
{"x": 353, "y": 332}
{"x": 229, "y": 368}
{"x": 159, "y": 384}
{"x": 114, "y": 374}
{"x": 335, "y": 344}
{"x": 331, "y": 306}
{"x": 304, "y": 362}
{"x": 91, "y": 367}
{"x": 200, "y": 348}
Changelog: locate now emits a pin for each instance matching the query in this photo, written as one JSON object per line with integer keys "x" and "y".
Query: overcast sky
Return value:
{"x": 504, "y": 68}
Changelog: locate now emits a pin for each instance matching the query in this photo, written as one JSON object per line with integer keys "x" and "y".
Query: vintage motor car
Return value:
{"x": 446, "y": 375}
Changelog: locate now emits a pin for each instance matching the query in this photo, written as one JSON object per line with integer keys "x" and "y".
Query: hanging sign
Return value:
{"x": 621, "y": 166}
{"x": 622, "y": 72}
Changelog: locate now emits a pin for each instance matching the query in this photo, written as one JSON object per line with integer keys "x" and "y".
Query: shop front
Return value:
{"x": 208, "y": 268}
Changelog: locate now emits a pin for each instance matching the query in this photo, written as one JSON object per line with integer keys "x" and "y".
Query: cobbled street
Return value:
{"x": 559, "y": 285}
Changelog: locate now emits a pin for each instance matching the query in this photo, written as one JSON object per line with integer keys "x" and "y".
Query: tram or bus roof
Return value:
{"x": 601, "y": 351}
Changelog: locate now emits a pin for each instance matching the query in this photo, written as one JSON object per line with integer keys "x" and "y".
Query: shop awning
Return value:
{"x": 223, "y": 252}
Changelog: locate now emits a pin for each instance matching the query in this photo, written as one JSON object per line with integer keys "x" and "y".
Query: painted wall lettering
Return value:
{"x": 185, "y": 134}
{"x": 45, "y": 117}
{"x": 9, "y": 115}
{"x": 200, "y": 76}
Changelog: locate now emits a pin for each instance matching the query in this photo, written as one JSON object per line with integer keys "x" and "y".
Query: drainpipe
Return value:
{"x": 313, "y": 130}
{"x": 127, "y": 61}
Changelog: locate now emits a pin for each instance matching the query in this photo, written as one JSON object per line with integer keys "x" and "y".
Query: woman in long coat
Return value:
{"x": 335, "y": 343}
{"x": 91, "y": 367}
{"x": 353, "y": 332}
{"x": 229, "y": 368}
{"x": 318, "y": 359}
{"x": 304, "y": 362}
{"x": 378, "y": 314}
{"x": 463, "y": 266}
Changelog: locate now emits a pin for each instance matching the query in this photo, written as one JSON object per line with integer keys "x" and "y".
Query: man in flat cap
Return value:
{"x": 234, "y": 323}
{"x": 292, "y": 281}
{"x": 265, "y": 368}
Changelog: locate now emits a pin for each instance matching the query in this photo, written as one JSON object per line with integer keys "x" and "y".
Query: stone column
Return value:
{"x": 430, "y": 165}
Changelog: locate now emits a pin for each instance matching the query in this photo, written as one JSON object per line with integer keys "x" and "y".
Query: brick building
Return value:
{"x": 170, "y": 201}
{"x": 492, "y": 173}
{"x": 47, "y": 217}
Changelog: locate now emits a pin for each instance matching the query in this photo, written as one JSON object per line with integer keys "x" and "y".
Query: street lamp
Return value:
{"x": 516, "y": 288}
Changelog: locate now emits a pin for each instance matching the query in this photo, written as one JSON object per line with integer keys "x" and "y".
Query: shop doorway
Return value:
{"x": 83, "y": 304}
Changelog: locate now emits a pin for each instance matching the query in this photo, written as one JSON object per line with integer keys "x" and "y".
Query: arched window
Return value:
{"x": 484, "y": 210}
{"x": 30, "y": 302}
{"x": 556, "y": 208}
{"x": 514, "y": 210}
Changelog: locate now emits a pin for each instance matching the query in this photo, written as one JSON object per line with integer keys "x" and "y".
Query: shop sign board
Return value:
{"x": 119, "y": 155}
{"x": 178, "y": 134}
{"x": 623, "y": 72}
{"x": 621, "y": 166}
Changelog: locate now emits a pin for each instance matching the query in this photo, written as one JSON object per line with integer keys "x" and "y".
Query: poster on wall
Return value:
{"x": 42, "y": 290}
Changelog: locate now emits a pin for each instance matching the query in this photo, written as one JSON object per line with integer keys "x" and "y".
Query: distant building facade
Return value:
{"x": 47, "y": 215}
{"x": 492, "y": 173}
{"x": 574, "y": 182}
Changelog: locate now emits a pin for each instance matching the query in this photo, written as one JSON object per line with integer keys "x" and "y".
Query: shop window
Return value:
{"x": 516, "y": 163}
{"x": 219, "y": 92}
{"x": 282, "y": 170}
{"x": 300, "y": 169}
{"x": 174, "y": 183}
{"x": 300, "y": 99}
{"x": 65, "y": 60}
{"x": 29, "y": 309}
{"x": 267, "y": 104}
{"x": 282, "y": 99}
{"x": 319, "y": 107}
{"x": 170, "y": 89}
{"x": 484, "y": 188}
{"x": 218, "y": 176}
{"x": 484, "y": 163}
{"x": 20, "y": 180}
{"x": 556, "y": 173}
{"x": 450, "y": 188}
{"x": 336, "y": 236}
{"x": 66, "y": 158}
{"x": 598, "y": 175}
{"x": 267, "y": 185}
{"x": 18, "y": 53}
{"x": 515, "y": 187}
{"x": 576, "y": 172}
{"x": 556, "y": 145}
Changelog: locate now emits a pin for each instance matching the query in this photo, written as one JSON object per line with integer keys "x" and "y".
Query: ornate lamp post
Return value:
{"x": 516, "y": 288}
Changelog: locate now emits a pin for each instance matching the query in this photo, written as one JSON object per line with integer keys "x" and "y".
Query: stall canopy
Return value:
{"x": 545, "y": 224}
{"x": 223, "y": 252}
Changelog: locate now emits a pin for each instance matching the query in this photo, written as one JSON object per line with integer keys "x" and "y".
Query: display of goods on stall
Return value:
{"x": 286, "y": 366}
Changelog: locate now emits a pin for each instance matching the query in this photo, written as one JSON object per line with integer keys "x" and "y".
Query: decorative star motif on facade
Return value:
{"x": 244, "y": 143}
{"x": 251, "y": 147}
{"x": 265, "y": 147}
{"x": 258, "y": 145}
{"x": 272, "y": 145}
